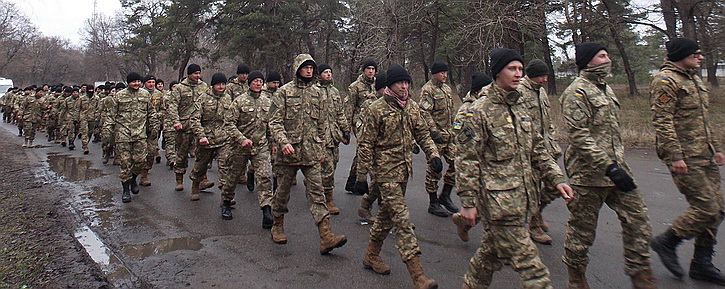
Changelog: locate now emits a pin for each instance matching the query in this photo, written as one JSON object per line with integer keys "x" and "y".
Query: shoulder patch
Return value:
{"x": 666, "y": 80}
{"x": 579, "y": 93}
{"x": 464, "y": 136}
{"x": 457, "y": 125}
{"x": 664, "y": 98}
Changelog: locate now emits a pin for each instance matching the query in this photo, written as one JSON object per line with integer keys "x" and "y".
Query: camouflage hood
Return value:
{"x": 297, "y": 64}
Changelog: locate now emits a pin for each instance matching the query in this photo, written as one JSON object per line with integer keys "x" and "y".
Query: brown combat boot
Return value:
{"x": 278, "y": 235}
{"x": 644, "y": 280}
{"x": 577, "y": 277}
{"x": 179, "y": 182}
{"x": 330, "y": 202}
{"x": 205, "y": 183}
{"x": 195, "y": 191}
{"x": 328, "y": 240}
{"x": 462, "y": 227}
{"x": 420, "y": 281}
{"x": 144, "y": 181}
{"x": 536, "y": 231}
{"x": 366, "y": 205}
{"x": 372, "y": 260}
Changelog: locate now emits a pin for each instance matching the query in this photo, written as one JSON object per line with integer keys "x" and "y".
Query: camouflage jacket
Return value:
{"x": 32, "y": 108}
{"x": 680, "y": 102}
{"x": 464, "y": 111}
{"x": 436, "y": 101}
{"x": 360, "y": 94}
{"x": 72, "y": 108}
{"x": 387, "y": 131}
{"x": 537, "y": 102}
{"x": 89, "y": 107}
{"x": 183, "y": 101}
{"x": 297, "y": 119}
{"x": 590, "y": 111}
{"x": 498, "y": 149}
{"x": 209, "y": 119}
{"x": 130, "y": 115}
{"x": 334, "y": 114}
{"x": 235, "y": 88}
{"x": 250, "y": 116}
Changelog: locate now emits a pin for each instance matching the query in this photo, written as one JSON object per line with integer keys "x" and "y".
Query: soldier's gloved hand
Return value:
{"x": 437, "y": 137}
{"x": 361, "y": 187}
{"x": 416, "y": 149}
{"x": 436, "y": 164}
{"x": 620, "y": 178}
{"x": 346, "y": 137}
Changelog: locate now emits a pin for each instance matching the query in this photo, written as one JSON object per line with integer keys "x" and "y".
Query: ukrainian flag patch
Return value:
{"x": 457, "y": 125}
{"x": 666, "y": 81}
{"x": 469, "y": 113}
{"x": 579, "y": 93}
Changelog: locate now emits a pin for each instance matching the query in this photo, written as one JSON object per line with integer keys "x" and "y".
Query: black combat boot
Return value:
{"x": 20, "y": 132}
{"x": 445, "y": 199}
{"x": 134, "y": 185}
{"x": 250, "y": 181}
{"x": 665, "y": 245}
{"x": 701, "y": 267}
{"x": 71, "y": 145}
{"x": 126, "y": 196}
{"x": 267, "y": 218}
{"x": 435, "y": 207}
{"x": 350, "y": 184}
{"x": 227, "y": 210}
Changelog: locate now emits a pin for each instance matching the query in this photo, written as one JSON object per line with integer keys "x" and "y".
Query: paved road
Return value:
{"x": 162, "y": 240}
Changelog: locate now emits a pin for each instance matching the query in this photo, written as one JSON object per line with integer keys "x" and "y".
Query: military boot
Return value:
{"x": 328, "y": 240}
{"x": 644, "y": 280}
{"x": 227, "y": 210}
{"x": 701, "y": 267}
{"x": 420, "y": 281}
{"x": 85, "y": 149}
{"x": 372, "y": 260}
{"x": 30, "y": 144}
{"x": 179, "y": 182}
{"x": 350, "y": 184}
{"x": 577, "y": 277}
{"x": 267, "y": 218}
{"x": 665, "y": 245}
{"x": 445, "y": 199}
{"x": 278, "y": 235}
{"x": 25, "y": 143}
{"x": 126, "y": 196}
{"x": 195, "y": 191}
{"x": 250, "y": 181}
{"x": 134, "y": 185}
{"x": 364, "y": 212}
{"x": 71, "y": 145}
{"x": 20, "y": 132}
{"x": 462, "y": 227}
{"x": 205, "y": 183}
{"x": 330, "y": 202}
{"x": 537, "y": 231}
{"x": 145, "y": 178}
{"x": 157, "y": 159}
{"x": 435, "y": 207}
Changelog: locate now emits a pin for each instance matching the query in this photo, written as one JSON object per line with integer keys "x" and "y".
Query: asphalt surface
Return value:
{"x": 163, "y": 240}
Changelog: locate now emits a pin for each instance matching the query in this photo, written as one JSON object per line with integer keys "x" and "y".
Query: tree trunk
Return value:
{"x": 668, "y": 13}
{"x": 546, "y": 49}
{"x": 614, "y": 13}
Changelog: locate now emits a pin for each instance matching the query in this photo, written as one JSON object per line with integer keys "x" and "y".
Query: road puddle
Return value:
{"x": 73, "y": 169}
{"x": 142, "y": 251}
{"x": 111, "y": 266}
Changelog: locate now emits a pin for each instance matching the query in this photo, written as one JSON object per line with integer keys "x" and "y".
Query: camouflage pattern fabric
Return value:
{"x": 394, "y": 214}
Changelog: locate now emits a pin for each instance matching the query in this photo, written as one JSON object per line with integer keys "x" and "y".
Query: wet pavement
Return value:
{"x": 163, "y": 240}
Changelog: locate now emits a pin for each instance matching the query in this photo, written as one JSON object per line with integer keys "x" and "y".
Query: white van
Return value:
{"x": 5, "y": 83}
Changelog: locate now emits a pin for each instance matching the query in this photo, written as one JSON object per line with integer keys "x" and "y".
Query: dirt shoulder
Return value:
{"x": 37, "y": 247}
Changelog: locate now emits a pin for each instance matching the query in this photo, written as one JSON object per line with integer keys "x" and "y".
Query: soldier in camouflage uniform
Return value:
{"x": 360, "y": 94}
{"x": 132, "y": 116}
{"x": 250, "y": 118}
{"x": 537, "y": 102}
{"x": 337, "y": 132}
{"x": 239, "y": 85}
{"x": 168, "y": 128}
{"x": 436, "y": 100}
{"x": 596, "y": 168}
{"x": 479, "y": 81}
{"x": 182, "y": 104}
{"x": 88, "y": 107}
{"x": 149, "y": 84}
{"x": 52, "y": 127}
{"x": 61, "y": 111}
{"x": 390, "y": 125}
{"x": 686, "y": 145}
{"x": 108, "y": 136}
{"x": 72, "y": 109}
{"x": 298, "y": 126}
{"x": 31, "y": 113}
{"x": 27, "y": 91}
{"x": 273, "y": 81}
{"x": 498, "y": 151}
{"x": 371, "y": 193}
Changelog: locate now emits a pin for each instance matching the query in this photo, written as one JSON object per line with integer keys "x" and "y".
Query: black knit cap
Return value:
{"x": 680, "y": 48}
{"x": 536, "y": 68}
{"x": 159, "y": 80}
{"x": 585, "y": 52}
{"x": 218, "y": 78}
{"x": 273, "y": 76}
{"x": 148, "y": 77}
{"x": 438, "y": 66}
{"x": 396, "y": 73}
{"x": 323, "y": 67}
{"x": 369, "y": 62}
{"x": 254, "y": 75}
{"x": 380, "y": 80}
{"x": 243, "y": 68}
{"x": 120, "y": 86}
{"x": 68, "y": 89}
{"x": 192, "y": 68}
{"x": 500, "y": 57}
{"x": 90, "y": 87}
{"x": 479, "y": 80}
{"x": 133, "y": 76}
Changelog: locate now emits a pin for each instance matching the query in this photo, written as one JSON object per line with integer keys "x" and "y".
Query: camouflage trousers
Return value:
{"x": 701, "y": 187}
{"x": 52, "y": 128}
{"x": 372, "y": 195}
{"x": 170, "y": 145}
{"x": 86, "y": 130}
{"x": 509, "y": 245}
{"x": 313, "y": 190}
{"x": 332, "y": 157}
{"x": 184, "y": 144}
{"x": 582, "y": 226}
{"x": 72, "y": 129}
{"x": 131, "y": 156}
{"x": 30, "y": 129}
{"x": 225, "y": 157}
{"x": 431, "y": 177}
{"x": 261, "y": 166}
{"x": 393, "y": 213}
{"x": 153, "y": 152}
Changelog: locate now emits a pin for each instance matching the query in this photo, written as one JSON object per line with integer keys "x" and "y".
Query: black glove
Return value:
{"x": 437, "y": 137}
{"x": 346, "y": 136}
{"x": 416, "y": 149}
{"x": 624, "y": 182}
{"x": 436, "y": 164}
{"x": 362, "y": 187}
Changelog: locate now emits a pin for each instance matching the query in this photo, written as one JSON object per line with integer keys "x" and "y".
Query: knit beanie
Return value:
{"x": 243, "y": 69}
{"x": 369, "y": 62}
{"x": 479, "y": 80}
{"x": 120, "y": 85}
{"x": 218, "y": 78}
{"x": 680, "y": 48}
{"x": 192, "y": 68}
{"x": 273, "y": 76}
{"x": 396, "y": 73}
{"x": 536, "y": 68}
{"x": 323, "y": 67}
{"x": 585, "y": 52}
{"x": 500, "y": 57}
{"x": 133, "y": 76}
{"x": 254, "y": 75}
{"x": 148, "y": 77}
{"x": 438, "y": 66}
{"x": 380, "y": 80}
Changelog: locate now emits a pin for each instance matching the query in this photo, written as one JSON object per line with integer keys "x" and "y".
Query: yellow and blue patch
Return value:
{"x": 666, "y": 80}
{"x": 469, "y": 113}
{"x": 579, "y": 93}
{"x": 457, "y": 125}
